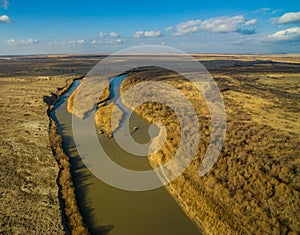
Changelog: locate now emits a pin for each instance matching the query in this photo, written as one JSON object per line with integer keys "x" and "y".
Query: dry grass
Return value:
{"x": 103, "y": 119}
{"x": 72, "y": 214}
{"x": 29, "y": 200}
{"x": 71, "y": 211}
{"x": 101, "y": 102}
{"x": 255, "y": 185}
{"x": 266, "y": 111}
{"x": 103, "y": 113}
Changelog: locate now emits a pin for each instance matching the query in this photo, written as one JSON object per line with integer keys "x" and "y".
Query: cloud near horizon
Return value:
{"x": 222, "y": 24}
{"x": 115, "y": 41}
{"x": 114, "y": 35}
{"x": 148, "y": 34}
{"x": 111, "y": 34}
{"x": 287, "y": 18}
{"x": 286, "y": 35}
{"x": 5, "y": 19}
{"x": 23, "y": 42}
{"x": 102, "y": 35}
{"x": 66, "y": 43}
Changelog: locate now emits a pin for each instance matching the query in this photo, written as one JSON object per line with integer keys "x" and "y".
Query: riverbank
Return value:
{"x": 70, "y": 210}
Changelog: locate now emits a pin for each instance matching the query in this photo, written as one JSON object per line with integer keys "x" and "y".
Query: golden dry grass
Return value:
{"x": 254, "y": 187}
{"x": 72, "y": 215}
{"x": 74, "y": 219}
{"x": 103, "y": 119}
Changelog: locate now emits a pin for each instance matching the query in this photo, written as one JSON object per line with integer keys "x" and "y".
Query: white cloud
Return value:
{"x": 263, "y": 10}
{"x": 118, "y": 41}
{"x": 148, "y": 34}
{"x": 276, "y": 11}
{"x": 80, "y": 41}
{"x": 114, "y": 35}
{"x": 287, "y": 34}
{"x": 74, "y": 42}
{"x": 95, "y": 42}
{"x": 11, "y": 41}
{"x": 223, "y": 24}
{"x": 5, "y": 19}
{"x": 287, "y": 18}
{"x": 111, "y": 34}
{"x": 23, "y": 42}
{"x": 250, "y": 22}
{"x": 187, "y": 27}
{"x": 4, "y": 3}
{"x": 32, "y": 41}
{"x": 107, "y": 41}
{"x": 102, "y": 35}
{"x": 68, "y": 43}
{"x": 169, "y": 28}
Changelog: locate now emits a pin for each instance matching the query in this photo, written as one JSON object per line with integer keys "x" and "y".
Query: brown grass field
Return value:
{"x": 254, "y": 187}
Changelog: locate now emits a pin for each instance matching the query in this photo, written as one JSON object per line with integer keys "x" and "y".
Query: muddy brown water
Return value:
{"x": 108, "y": 210}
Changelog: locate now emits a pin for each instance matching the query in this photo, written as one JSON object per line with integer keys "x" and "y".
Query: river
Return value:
{"x": 108, "y": 210}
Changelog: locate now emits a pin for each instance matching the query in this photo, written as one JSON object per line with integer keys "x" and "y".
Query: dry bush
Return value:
{"x": 74, "y": 219}
{"x": 254, "y": 187}
{"x": 103, "y": 117}
{"x": 71, "y": 211}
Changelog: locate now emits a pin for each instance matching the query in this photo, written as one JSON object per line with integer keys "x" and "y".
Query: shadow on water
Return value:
{"x": 82, "y": 179}
{"x": 80, "y": 175}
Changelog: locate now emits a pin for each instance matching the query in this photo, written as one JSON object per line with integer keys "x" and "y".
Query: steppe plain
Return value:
{"x": 254, "y": 187}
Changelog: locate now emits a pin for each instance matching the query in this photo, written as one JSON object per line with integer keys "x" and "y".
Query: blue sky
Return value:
{"x": 41, "y": 27}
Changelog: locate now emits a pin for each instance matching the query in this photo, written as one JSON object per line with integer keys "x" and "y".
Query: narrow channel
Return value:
{"x": 108, "y": 210}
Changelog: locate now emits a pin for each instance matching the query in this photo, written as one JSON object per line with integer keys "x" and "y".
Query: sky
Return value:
{"x": 194, "y": 26}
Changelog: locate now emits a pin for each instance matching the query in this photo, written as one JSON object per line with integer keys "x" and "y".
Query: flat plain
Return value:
{"x": 254, "y": 187}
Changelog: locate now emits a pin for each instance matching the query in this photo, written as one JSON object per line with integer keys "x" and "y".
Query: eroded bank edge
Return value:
{"x": 72, "y": 219}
